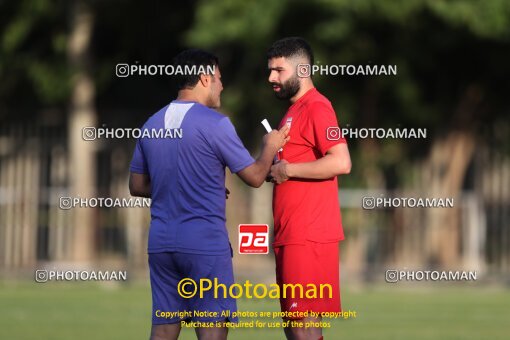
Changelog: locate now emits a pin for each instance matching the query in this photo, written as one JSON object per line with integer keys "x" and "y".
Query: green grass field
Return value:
{"x": 84, "y": 311}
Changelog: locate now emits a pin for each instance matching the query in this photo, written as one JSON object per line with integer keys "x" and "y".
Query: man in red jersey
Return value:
{"x": 306, "y": 209}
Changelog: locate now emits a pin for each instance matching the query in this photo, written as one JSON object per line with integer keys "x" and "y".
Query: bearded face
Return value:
{"x": 287, "y": 89}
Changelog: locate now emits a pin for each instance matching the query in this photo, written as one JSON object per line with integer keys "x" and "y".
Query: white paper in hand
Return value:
{"x": 268, "y": 128}
{"x": 266, "y": 125}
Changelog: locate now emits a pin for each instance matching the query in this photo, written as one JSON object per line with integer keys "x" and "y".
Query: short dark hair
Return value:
{"x": 290, "y": 47}
{"x": 192, "y": 57}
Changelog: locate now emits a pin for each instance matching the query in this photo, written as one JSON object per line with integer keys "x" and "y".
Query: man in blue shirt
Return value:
{"x": 184, "y": 175}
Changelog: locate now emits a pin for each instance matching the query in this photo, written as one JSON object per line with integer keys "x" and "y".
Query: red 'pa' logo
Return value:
{"x": 253, "y": 239}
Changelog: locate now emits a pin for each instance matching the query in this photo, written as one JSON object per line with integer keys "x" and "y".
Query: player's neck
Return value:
{"x": 304, "y": 89}
{"x": 189, "y": 96}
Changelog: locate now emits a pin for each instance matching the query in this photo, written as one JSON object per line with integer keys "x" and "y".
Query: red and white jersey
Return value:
{"x": 308, "y": 209}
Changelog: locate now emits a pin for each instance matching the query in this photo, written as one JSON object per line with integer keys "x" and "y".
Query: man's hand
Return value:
{"x": 255, "y": 174}
{"x": 276, "y": 139}
{"x": 279, "y": 172}
{"x": 336, "y": 161}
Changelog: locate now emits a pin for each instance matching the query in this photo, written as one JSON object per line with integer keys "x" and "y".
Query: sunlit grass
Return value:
{"x": 84, "y": 311}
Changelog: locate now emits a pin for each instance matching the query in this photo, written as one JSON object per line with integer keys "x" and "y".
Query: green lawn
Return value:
{"x": 84, "y": 311}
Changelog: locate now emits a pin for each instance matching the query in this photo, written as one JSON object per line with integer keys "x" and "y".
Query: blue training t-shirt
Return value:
{"x": 188, "y": 177}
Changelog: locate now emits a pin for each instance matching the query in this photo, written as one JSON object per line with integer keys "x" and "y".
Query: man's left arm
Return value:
{"x": 336, "y": 161}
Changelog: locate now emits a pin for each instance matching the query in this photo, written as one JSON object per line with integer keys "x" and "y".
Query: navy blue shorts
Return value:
{"x": 168, "y": 306}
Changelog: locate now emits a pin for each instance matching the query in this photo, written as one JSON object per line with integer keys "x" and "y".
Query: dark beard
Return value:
{"x": 288, "y": 89}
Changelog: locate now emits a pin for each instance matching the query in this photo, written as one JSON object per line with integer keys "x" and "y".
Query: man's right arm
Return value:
{"x": 255, "y": 174}
{"x": 139, "y": 185}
